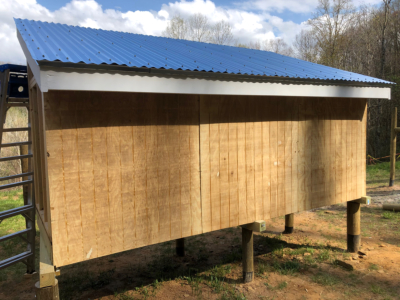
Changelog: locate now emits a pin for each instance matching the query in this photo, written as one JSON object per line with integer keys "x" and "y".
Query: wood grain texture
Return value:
{"x": 130, "y": 170}
{"x": 124, "y": 171}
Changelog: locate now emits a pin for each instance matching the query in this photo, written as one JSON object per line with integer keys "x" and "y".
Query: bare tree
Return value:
{"x": 386, "y": 4}
{"x": 278, "y": 46}
{"x": 177, "y": 28}
{"x": 199, "y": 28}
{"x": 306, "y": 46}
{"x": 330, "y": 22}
{"x": 221, "y": 33}
{"x": 255, "y": 45}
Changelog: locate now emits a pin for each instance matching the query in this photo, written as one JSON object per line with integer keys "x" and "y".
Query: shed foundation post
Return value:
{"x": 47, "y": 293}
{"x": 353, "y": 226}
{"x": 247, "y": 255}
{"x": 180, "y": 247}
{"x": 289, "y": 222}
{"x": 47, "y": 286}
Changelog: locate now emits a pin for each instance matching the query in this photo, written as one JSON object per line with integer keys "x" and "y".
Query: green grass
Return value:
{"x": 9, "y": 200}
{"x": 373, "y": 267}
{"x": 325, "y": 279}
{"x": 287, "y": 267}
{"x": 379, "y": 173}
{"x": 390, "y": 215}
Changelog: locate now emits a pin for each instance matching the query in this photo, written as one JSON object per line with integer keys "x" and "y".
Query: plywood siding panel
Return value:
{"x": 233, "y": 163}
{"x": 194, "y": 136}
{"x": 249, "y": 161}
{"x": 205, "y": 163}
{"x": 241, "y": 152}
{"x": 273, "y": 148}
{"x": 258, "y": 159}
{"x": 295, "y": 153}
{"x": 288, "y": 156}
{"x": 281, "y": 138}
{"x": 224, "y": 161}
{"x": 265, "y": 117}
{"x": 130, "y": 170}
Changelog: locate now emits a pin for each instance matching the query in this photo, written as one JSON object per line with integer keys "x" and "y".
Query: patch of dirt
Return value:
{"x": 384, "y": 194}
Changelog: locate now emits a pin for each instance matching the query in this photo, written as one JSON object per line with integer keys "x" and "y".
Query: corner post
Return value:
{"x": 180, "y": 247}
{"x": 393, "y": 147}
{"x": 47, "y": 286}
{"x": 353, "y": 226}
{"x": 247, "y": 255}
{"x": 289, "y": 222}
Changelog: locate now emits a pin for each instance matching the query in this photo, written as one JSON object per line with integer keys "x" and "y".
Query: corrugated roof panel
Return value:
{"x": 58, "y": 42}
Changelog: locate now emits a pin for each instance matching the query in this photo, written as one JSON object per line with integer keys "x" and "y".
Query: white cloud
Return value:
{"x": 247, "y": 26}
{"x": 296, "y": 6}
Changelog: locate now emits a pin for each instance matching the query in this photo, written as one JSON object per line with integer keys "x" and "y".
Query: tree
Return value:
{"x": 386, "y": 4}
{"x": 306, "y": 46}
{"x": 330, "y": 22}
{"x": 198, "y": 28}
{"x": 221, "y": 33}
{"x": 278, "y": 46}
{"x": 177, "y": 28}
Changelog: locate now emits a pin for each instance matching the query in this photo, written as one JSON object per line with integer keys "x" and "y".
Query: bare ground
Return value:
{"x": 298, "y": 266}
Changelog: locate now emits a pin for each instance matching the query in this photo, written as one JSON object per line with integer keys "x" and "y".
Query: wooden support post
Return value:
{"x": 353, "y": 226}
{"x": 393, "y": 147}
{"x": 47, "y": 293}
{"x": 47, "y": 286}
{"x": 180, "y": 247}
{"x": 247, "y": 255}
{"x": 289, "y": 221}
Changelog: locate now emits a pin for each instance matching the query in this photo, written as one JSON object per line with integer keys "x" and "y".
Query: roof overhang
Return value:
{"x": 105, "y": 78}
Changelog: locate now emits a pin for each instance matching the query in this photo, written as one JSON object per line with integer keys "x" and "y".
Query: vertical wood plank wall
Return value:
{"x": 285, "y": 155}
{"x": 123, "y": 171}
{"x": 124, "y": 168}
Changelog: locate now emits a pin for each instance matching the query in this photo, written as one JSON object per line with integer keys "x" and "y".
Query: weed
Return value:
{"x": 377, "y": 289}
{"x": 389, "y": 215}
{"x": 194, "y": 283}
{"x": 287, "y": 268}
{"x": 261, "y": 269}
{"x": 282, "y": 285}
{"x": 145, "y": 292}
{"x": 325, "y": 279}
{"x": 324, "y": 255}
{"x": 217, "y": 284}
{"x": 373, "y": 267}
{"x": 221, "y": 271}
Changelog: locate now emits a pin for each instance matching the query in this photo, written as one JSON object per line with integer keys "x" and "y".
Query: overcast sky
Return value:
{"x": 251, "y": 20}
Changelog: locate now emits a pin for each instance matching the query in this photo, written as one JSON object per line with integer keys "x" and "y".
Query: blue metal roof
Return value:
{"x": 13, "y": 68}
{"x": 57, "y": 42}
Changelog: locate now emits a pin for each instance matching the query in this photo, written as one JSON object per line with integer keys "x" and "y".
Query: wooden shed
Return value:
{"x": 140, "y": 140}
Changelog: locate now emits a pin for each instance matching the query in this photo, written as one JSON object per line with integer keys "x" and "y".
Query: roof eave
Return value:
{"x": 209, "y": 75}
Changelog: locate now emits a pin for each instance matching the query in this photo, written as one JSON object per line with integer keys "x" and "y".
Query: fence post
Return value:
{"x": 393, "y": 147}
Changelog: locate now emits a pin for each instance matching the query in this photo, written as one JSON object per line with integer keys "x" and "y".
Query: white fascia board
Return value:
{"x": 31, "y": 62}
{"x": 98, "y": 80}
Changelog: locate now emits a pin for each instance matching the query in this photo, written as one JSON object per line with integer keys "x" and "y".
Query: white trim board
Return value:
{"x": 30, "y": 61}
{"x": 86, "y": 80}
